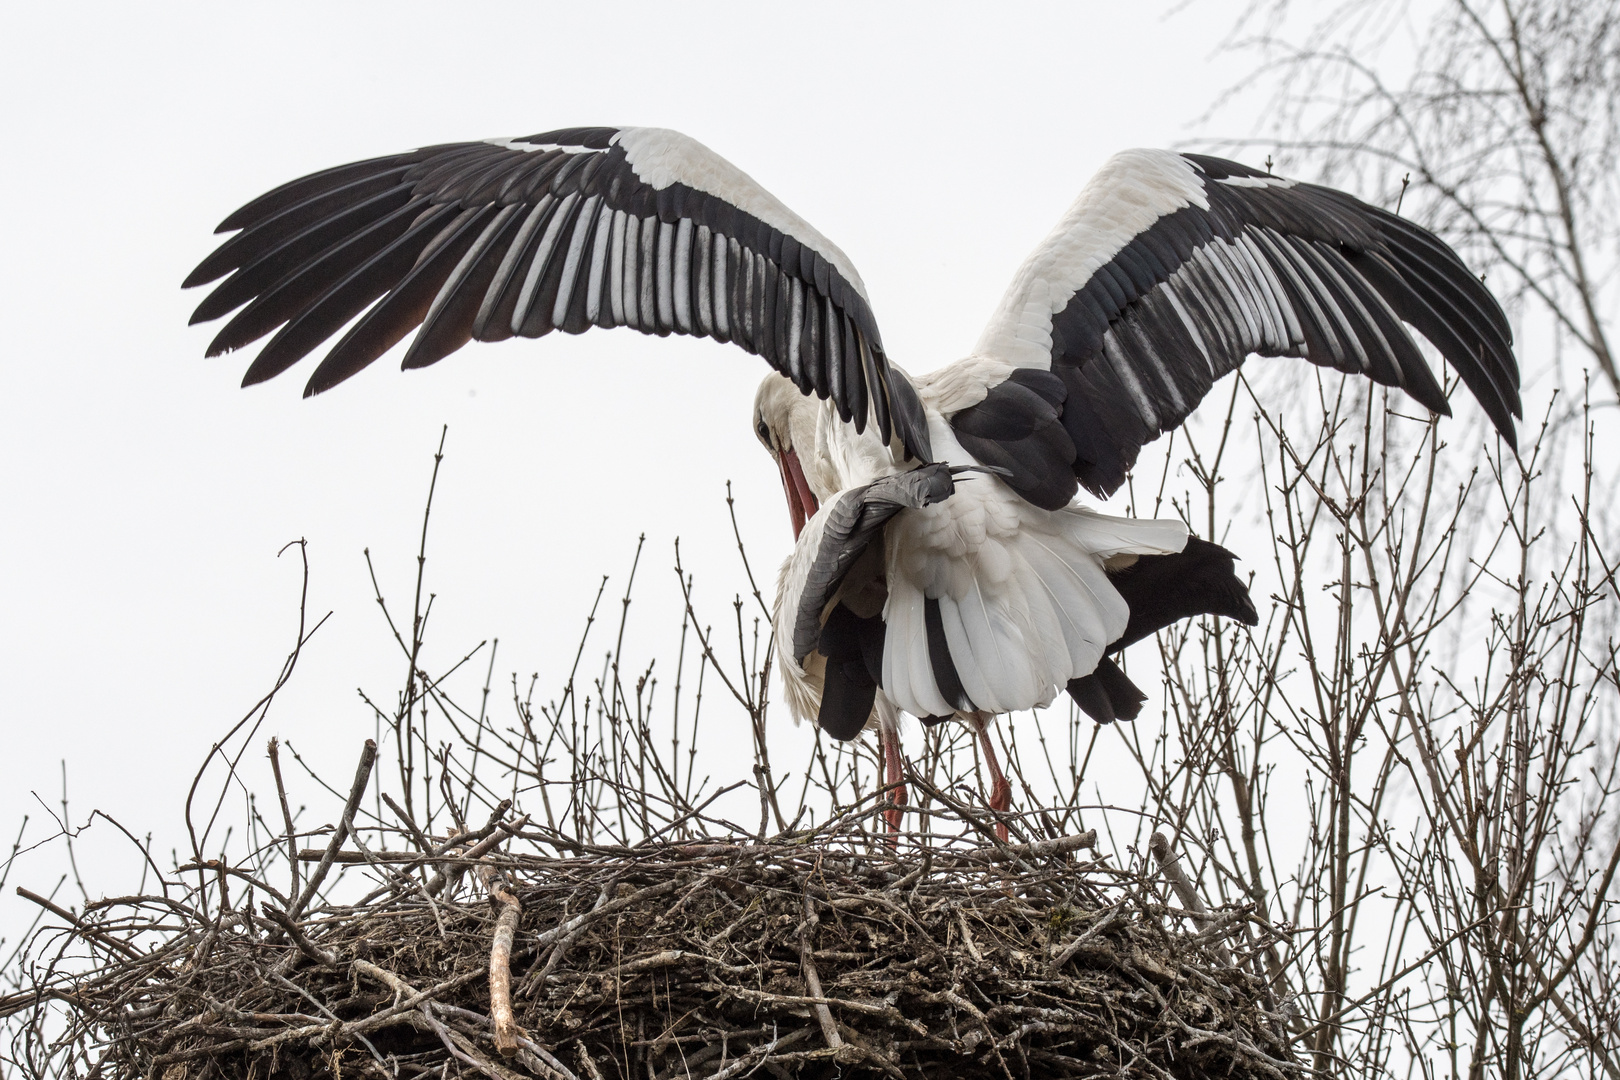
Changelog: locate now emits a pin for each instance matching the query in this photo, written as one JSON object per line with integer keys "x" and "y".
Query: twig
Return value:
{"x": 1039, "y": 849}
{"x": 812, "y": 979}
{"x": 286, "y": 814}
{"x": 463, "y": 1050}
{"x": 1170, "y": 867}
{"x": 80, "y": 925}
{"x": 324, "y": 957}
{"x": 421, "y": 841}
{"x": 1097, "y": 929}
{"x": 473, "y": 854}
{"x": 362, "y": 774}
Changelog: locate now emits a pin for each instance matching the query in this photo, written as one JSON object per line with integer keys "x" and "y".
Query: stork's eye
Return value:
{"x": 764, "y": 434}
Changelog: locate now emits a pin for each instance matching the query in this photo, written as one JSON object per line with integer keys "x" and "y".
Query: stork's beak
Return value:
{"x": 802, "y": 505}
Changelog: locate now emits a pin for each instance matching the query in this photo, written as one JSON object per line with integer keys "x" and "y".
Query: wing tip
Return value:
{"x": 201, "y": 275}
{"x": 207, "y": 311}
{"x": 219, "y": 347}
{"x": 328, "y": 374}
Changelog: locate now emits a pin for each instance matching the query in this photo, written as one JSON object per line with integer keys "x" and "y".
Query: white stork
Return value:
{"x": 991, "y": 590}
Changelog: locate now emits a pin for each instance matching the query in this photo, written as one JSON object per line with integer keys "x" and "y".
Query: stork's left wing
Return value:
{"x": 1167, "y": 271}
{"x": 564, "y": 230}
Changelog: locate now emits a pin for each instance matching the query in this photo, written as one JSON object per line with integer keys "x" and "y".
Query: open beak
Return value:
{"x": 802, "y": 505}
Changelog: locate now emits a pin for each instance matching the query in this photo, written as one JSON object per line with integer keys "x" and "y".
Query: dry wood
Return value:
{"x": 669, "y": 961}
{"x": 499, "y": 832}
{"x": 500, "y": 960}
{"x": 362, "y": 774}
{"x": 299, "y": 938}
{"x": 1170, "y": 866}
{"x": 812, "y": 978}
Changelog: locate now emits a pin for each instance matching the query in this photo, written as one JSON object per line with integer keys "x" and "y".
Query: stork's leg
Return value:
{"x": 893, "y": 770}
{"x": 894, "y": 773}
{"x": 1000, "y": 789}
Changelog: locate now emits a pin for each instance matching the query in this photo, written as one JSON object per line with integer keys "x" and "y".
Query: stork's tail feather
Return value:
{"x": 1160, "y": 590}
{"x": 847, "y": 694}
{"x": 1163, "y": 589}
{"x": 853, "y": 647}
{"x": 1107, "y": 694}
{"x": 997, "y": 628}
{"x": 993, "y": 608}
{"x": 829, "y": 599}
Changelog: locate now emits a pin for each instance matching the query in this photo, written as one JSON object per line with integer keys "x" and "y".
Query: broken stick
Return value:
{"x": 500, "y": 959}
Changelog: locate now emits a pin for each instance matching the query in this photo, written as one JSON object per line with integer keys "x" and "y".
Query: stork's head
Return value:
{"x": 785, "y": 421}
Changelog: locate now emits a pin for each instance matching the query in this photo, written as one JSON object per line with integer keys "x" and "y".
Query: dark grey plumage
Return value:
{"x": 1107, "y": 694}
{"x": 848, "y": 525}
{"x": 1018, "y": 429}
{"x": 853, "y": 648}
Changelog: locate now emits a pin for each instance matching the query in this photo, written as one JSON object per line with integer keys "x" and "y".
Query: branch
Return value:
{"x": 362, "y": 775}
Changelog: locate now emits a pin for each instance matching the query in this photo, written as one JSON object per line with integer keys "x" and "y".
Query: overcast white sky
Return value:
{"x": 143, "y": 496}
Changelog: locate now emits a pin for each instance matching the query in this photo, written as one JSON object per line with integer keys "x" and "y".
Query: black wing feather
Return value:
{"x": 312, "y": 254}
{"x": 346, "y": 299}
{"x": 1256, "y": 264}
{"x": 296, "y": 290}
{"x": 448, "y": 324}
{"x": 402, "y": 308}
{"x": 294, "y": 191}
{"x": 273, "y": 262}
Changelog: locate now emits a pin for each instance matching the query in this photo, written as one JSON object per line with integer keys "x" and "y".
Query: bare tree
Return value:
{"x": 1503, "y": 115}
{"x": 1410, "y": 768}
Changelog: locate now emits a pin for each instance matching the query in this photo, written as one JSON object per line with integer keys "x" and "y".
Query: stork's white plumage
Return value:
{"x": 940, "y": 566}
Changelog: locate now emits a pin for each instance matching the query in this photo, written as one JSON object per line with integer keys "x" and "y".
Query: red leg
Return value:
{"x": 893, "y": 773}
{"x": 1000, "y": 789}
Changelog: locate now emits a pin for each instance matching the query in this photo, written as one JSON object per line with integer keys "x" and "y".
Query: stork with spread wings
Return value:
{"x": 942, "y": 567}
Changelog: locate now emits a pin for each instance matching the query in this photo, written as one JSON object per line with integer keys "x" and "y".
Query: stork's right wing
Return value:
{"x": 570, "y": 229}
{"x": 1169, "y": 270}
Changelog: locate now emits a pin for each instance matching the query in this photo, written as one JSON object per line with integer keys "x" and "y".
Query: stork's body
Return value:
{"x": 941, "y": 565}
{"x": 982, "y": 556}
{"x": 973, "y": 605}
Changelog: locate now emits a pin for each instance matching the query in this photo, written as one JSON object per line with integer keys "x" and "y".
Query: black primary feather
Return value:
{"x": 330, "y": 244}
{"x": 1267, "y": 267}
{"x": 1107, "y": 694}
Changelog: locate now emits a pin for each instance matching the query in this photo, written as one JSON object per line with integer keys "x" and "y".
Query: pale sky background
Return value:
{"x": 143, "y": 496}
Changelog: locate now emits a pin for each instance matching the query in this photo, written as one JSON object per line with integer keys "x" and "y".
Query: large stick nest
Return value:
{"x": 818, "y": 956}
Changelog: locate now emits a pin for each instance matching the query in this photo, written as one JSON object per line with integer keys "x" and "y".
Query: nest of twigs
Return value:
{"x": 816, "y": 955}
